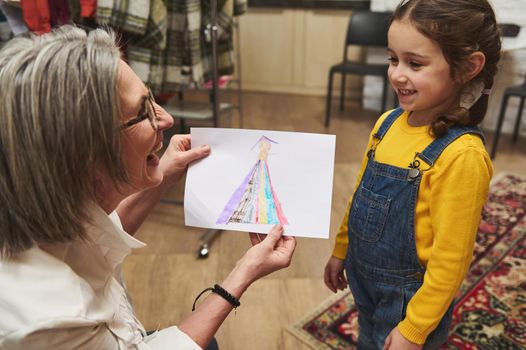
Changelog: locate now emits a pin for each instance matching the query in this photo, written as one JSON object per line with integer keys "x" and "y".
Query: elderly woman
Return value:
{"x": 79, "y": 133}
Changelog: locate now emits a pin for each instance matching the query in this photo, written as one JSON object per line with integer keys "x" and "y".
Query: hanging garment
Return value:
{"x": 184, "y": 53}
{"x": 88, "y": 8}
{"x": 186, "y": 47}
{"x": 127, "y": 15}
{"x": 240, "y": 7}
{"x": 15, "y": 18}
{"x": 59, "y": 11}
{"x": 5, "y": 29}
{"x": 74, "y": 10}
{"x": 146, "y": 53}
{"x": 37, "y": 16}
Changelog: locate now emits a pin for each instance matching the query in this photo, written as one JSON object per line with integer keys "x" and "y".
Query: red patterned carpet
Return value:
{"x": 490, "y": 313}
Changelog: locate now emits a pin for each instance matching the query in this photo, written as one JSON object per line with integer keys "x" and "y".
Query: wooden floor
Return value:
{"x": 165, "y": 277}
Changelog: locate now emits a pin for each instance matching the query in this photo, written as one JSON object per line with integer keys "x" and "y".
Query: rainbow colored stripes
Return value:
{"x": 254, "y": 201}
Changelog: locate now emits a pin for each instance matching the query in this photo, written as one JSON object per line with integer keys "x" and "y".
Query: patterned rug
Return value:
{"x": 490, "y": 313}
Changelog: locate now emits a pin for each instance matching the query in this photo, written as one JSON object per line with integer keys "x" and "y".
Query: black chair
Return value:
{"x": 509, "y": 30}
{"x": 366, "y": 28}
{"x": 517, "y": 91}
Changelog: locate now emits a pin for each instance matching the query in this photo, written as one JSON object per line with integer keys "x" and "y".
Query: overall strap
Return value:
{"x": 391, "y": 118}
{"x": 435, "y": 148}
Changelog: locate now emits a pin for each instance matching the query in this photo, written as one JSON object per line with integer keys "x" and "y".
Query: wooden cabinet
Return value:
{"x": 291, "y": 50}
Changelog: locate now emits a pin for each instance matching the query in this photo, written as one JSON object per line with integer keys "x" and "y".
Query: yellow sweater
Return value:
{"x": 448, "y": 209}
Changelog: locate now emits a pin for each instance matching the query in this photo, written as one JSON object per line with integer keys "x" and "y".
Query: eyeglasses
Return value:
{"x": 149, "y": 113}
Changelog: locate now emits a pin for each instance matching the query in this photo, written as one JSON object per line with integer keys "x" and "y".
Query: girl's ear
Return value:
{"x": 473, "y": 65}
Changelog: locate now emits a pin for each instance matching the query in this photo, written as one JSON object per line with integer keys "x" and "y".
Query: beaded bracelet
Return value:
{"x": 223, "y": 293}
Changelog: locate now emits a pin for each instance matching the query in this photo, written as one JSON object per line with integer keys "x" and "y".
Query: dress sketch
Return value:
{"x": 255, "y": 200}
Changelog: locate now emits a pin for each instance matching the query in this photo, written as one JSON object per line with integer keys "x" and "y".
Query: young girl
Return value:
{"x": 406, "y": 241}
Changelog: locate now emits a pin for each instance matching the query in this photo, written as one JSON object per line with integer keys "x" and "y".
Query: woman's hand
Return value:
{"x": 272, "y": 253}
{"x": 177, "y": 156}
{"x": 174, "y": 162}
{"x": 334, "y": 277}
{"x": 396, "y": 341}
{"x": 269, "y": 253}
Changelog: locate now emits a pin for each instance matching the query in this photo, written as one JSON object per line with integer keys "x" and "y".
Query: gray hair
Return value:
{"x": 59, "y": 126}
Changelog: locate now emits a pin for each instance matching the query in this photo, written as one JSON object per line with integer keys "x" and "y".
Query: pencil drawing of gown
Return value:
{"x": 255, "y": 200}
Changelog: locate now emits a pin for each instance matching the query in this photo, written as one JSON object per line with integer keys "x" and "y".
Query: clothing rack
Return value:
{"x": 215, "y": 77}
{"x": 208, "y": 237}
{"x": 184, "y": 110}
{"x": 198, "y": 111}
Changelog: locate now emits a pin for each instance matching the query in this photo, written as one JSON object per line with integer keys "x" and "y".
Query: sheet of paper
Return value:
{"x": 254, "y": 179}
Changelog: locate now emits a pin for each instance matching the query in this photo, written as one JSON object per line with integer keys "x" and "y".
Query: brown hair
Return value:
{"x": 460, "y": 28}
{"x": 59, "y": 125}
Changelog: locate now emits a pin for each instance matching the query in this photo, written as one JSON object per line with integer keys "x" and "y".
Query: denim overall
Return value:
{"x": 381, "y": 264}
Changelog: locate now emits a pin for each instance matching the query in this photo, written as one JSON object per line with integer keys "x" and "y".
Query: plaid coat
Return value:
{"x": 168, "y": 41}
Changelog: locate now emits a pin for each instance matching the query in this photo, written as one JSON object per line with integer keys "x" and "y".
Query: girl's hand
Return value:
{"x": 396, "y": 341}
{"x": 334, "y": 277}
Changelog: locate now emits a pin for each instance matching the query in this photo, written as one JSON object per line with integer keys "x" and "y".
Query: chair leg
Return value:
{"x": 329, "y": 100}
{"x": 342, "y": 92}
{"x": 499, "y": 125}
{"x": 384, "y": 95}
{"x": 518, "y": 120}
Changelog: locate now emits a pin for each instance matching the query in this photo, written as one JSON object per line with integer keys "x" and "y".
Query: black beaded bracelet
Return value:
{"x": 223, "y": 293}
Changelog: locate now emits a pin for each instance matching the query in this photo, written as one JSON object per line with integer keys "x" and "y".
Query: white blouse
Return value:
{"x": 71, "y": 296}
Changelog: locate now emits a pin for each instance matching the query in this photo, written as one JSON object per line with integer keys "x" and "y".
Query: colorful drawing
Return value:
{"x": 255, "y": 200}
